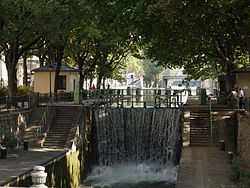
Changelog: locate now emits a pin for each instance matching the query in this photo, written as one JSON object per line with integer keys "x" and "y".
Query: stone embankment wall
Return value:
{"x": 244, "y": 137}
{"x": 71, "y": 167}
{"x": 14, "y": 122}
{"x": 225, "y": 128}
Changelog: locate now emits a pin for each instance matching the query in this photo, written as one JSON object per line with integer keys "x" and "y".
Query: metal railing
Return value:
{"x": 44, "y": 122}
{"x": 60, "y": 97}
{"x": 136, "y": 97}
{"x": 21, "y": 101}
{"x": 129, "y": 97}
{"x": 211, "y": 119}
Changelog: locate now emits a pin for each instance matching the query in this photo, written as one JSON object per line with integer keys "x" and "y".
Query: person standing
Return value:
{"x": 234, "y": 98}
{"x": 241, "y": 98}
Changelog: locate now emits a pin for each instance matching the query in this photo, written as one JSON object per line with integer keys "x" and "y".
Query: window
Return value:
{"x": 62, "y": 82}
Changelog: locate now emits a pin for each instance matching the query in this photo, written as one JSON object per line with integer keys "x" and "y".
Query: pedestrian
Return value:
{"x": 241, "y": 98}
{"x": 233, "y": 96}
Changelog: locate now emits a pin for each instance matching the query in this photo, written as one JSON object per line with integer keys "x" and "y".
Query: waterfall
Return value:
{"x": 136, "y": 135}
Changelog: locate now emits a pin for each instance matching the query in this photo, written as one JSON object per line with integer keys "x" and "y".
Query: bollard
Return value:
{"x": 38, "y": 177}
{"x": 230, "y": 157}
{"x": 222, "y": 145}
{"x": 25, "y": 145}
{"x": 3, "y": 152}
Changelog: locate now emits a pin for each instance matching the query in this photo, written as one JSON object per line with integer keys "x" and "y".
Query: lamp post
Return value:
{"x": 50, "y": 70}
{"x": 132, "y": 76}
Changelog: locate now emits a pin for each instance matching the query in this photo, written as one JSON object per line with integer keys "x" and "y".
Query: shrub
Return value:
{"x": 9, "y": 141}
{"x": 24, "y": 90}
{"x": 240, "y": 174}
{"x": 235, "y": 172}
{"x": 3, "y": 91}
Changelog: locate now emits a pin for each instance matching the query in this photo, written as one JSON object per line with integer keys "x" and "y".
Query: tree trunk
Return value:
{"x": 11, "y": 60}
{"x": 99, "y": 81}
{"x": 103, "y": 83}
{"x": 58, "y": 60}
{"x": 90, "y": 82}
{"x": 81, "y": 80}
{"x": 25, "y": 72}
{"x": 80, "y": 62}
{"x": 230, "y": 76}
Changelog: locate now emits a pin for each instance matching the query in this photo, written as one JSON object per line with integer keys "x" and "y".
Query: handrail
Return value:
{"x": 43, "y": 123}
{"x": 75, "y": 132}
{"x": 154, "y": 97}
{"x": 211, "y": 118}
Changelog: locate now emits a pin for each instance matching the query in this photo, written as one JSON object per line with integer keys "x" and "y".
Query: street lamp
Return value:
{"x": 50, "y": 70}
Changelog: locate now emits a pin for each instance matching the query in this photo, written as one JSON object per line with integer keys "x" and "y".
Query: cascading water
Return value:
{"x": 135, "y": 147}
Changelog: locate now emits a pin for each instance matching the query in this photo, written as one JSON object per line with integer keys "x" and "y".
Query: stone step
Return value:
{"x": 200, "y": 133}
{"x": 197, "y": 127}
{"x": 53, "y": 145}
{"x": 200, "y": 144}
{"x": 57, "y": 133}
{"x": 55, "y": 123}
{"x": 60, "y": 127}
{"x": 202, "y": 127}
{"x": 54, "y": 140}
{"x": 201, "y": 140}
{"x": 194, "y": 111}
{"x": 200, "y": 114}
{"x": 200, "y": 122}
{"x": 63, "y": 119}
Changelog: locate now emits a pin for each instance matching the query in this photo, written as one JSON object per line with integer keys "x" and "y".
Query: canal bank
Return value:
{"x": 66, "y": 165}
{"x": 207, "y": 166}
{"x": 204, "y": 167}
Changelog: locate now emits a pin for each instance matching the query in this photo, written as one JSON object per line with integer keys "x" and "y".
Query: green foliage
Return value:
{"x": 134, "y": 64}
{"x": 24, "y": 90}
{"x": 240, "y": 175}
{"x": 3, "y": 91}
{"x": 149, "y": 69}
{"x": 235, "y": 173}
{"x": 152, "y": 72}
{"x": 207, "y": 38}
{"x": 9, "y": 141}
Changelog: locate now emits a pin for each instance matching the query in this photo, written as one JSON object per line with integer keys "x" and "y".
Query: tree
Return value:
{"x": 134, "y": 64}
{"x": 208, "y": 38}
{"x": 81, "y": 44}
{"x": 118, "y": 39}
{"x": 152, "y": 73}
{"x": 23, "y": 25}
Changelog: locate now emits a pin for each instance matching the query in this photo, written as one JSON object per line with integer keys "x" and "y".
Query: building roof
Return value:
{"x": 64, "y": 68}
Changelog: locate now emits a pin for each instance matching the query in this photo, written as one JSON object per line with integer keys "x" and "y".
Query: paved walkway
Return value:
{"x": 204, "y": 167}
{"x": 19, "y": 162}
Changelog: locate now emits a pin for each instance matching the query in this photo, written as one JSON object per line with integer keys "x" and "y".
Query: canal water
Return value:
{"x": 135, "y": 148}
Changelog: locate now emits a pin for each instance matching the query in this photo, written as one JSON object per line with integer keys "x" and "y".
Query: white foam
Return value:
{"x": 103, "y": 176}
